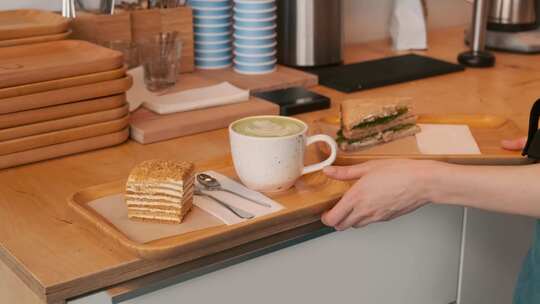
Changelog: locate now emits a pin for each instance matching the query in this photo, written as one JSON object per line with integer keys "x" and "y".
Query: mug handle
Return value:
{"x": 330, "y": 160}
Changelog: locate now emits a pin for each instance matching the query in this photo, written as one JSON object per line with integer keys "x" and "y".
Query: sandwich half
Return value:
{"x": 369, "y": 122}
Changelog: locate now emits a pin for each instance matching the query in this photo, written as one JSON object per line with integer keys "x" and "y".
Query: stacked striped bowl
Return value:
{"x": 213, "y": 33}
{"x": 254, "y": 36}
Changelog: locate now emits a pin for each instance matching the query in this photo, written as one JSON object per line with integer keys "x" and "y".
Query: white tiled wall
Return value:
{"x": 364, "y": 19}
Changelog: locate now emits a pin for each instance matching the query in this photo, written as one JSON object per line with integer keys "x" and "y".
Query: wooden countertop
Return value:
{"x": 53, "y": 255}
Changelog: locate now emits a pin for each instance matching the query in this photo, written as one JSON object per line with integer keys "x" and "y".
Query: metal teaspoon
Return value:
{"x": 210, "y": 183}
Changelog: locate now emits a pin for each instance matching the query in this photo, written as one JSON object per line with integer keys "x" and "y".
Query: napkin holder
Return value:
{"x": 532, "y": 148}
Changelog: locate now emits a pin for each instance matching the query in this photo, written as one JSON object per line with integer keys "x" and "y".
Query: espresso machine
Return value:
{"x": 505, "y": 25}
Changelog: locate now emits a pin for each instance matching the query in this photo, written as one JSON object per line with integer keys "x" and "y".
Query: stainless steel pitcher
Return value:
{"x": 310, "y": 32}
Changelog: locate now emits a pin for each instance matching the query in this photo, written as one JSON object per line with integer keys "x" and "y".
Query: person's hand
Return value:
{"x": 385, "y": 190}
{"x": 514, "y": 144}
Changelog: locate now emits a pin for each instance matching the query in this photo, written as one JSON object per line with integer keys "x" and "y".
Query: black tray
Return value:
{"x": 376, "y": 73}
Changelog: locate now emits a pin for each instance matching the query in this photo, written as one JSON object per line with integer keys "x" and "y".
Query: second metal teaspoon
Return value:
{"x": 210, "y": 183}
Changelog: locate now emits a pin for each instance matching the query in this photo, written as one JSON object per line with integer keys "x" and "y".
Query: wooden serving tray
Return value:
{"x": 56, "y": 84}
{"x": 63, "y": 123}
{"x": 65, "y": 95}
{"x": 35, "y": 39}
{"x": 149, "y": 127}
{"x": 62, "y": 136}
{"x": 487, "y": 130}
{"x": 27, "y": 23}
{"x": 62, "y": 111}
{"x": 64, "y": 149}
{"x": 40, "y": 62}
{"x": 308, "y": 199}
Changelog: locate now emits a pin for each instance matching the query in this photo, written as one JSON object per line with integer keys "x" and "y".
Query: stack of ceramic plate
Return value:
{"x": 59, "y": 98}
{"x": 212, "y": 22}
{"x": 254, "y": 36}
{"x": 25, "y": 26}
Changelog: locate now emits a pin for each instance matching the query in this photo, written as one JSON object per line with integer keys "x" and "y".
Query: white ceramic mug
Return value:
{"x": 273, "y": 164}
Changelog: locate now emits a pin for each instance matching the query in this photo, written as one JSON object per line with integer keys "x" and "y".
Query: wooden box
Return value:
{"x": 101, "y": 28}
{"x": 137, "y": 25}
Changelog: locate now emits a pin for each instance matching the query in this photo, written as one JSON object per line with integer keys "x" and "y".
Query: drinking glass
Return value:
{"x": 160, "y": 58}
{"x": 129, "y": 49}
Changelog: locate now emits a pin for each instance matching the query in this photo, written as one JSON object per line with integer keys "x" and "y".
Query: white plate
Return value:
{"x": 214, "y": 34}
{"x": 255, "y": 19}
{"x": 243, "y": 11}
{"x": 214, "y": 51}
{"x": 265, "y": 28}
{"x": 213, "y": 17}
{"x": 255, "y": 55}
{"x": 255, "y": 38}
{"x": 255, "y": 73}
{"x": 255, "y": 46}
{"x": 213, "y": 42}
{"x": 214, "y": 67}
{"x": 256, "y": 64}
{"x": 213, "y": 25}
{"x": 222, "y": 8}
{"x": 209, "y": 60}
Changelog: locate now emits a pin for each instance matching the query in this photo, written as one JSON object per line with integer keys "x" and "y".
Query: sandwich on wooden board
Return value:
{"x": 372, "y": 121}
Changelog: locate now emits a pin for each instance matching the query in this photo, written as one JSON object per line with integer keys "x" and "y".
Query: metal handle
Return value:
{"x": 477, "y": 56}
{"x": 246, "y": 198}
{"x": 479, "y": 25}
{"x": 68, "y": 8}
{"x": 239, "y": 212}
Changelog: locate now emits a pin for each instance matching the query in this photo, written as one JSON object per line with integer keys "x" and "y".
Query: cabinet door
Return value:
{"x": 495, "y": 246}
{"x": 414, "y": 259}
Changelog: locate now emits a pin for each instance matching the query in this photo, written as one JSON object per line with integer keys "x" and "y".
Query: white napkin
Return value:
{"x": 408, "y": 25}
{"x": 211, "y": 96}
{"x": 446, "y": 139}
{"x": 137, "y": 94}
{"x": 225, "y": 215}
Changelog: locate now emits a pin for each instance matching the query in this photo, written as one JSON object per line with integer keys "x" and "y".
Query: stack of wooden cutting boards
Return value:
{"x": 59, "y": 98}
{"x": 25, "y": 26}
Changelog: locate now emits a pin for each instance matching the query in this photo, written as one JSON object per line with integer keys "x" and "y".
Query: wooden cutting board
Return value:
{"x": 66, "y": 110}
{"x": 40, "y": 62}
{"x": 62, "y": 136}
{"x": 487, "y": 130}
{"x": 56, "y": 84}
{"x": 34, "y": 39}
{"x": 311, "y": 195}
{"x": 63, "y": 123}
{"x": 27, "y": 23}
{"x": 68, "y": 148}
{"x": 284, "y": 77}
{"x": 148, "y": 127}
{"x": 65, "y": 95}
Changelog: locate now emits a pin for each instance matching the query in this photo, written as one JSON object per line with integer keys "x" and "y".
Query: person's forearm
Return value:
{"x": 502, "y": 189}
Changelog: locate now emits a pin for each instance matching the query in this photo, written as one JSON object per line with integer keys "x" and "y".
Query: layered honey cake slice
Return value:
{"x": 160, "y": 191}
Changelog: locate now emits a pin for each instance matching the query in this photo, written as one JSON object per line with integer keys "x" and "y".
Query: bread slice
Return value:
{"x": 379, "y": 138}
{"x": 357, "y": 111}
{"x": 160, "y": 191}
